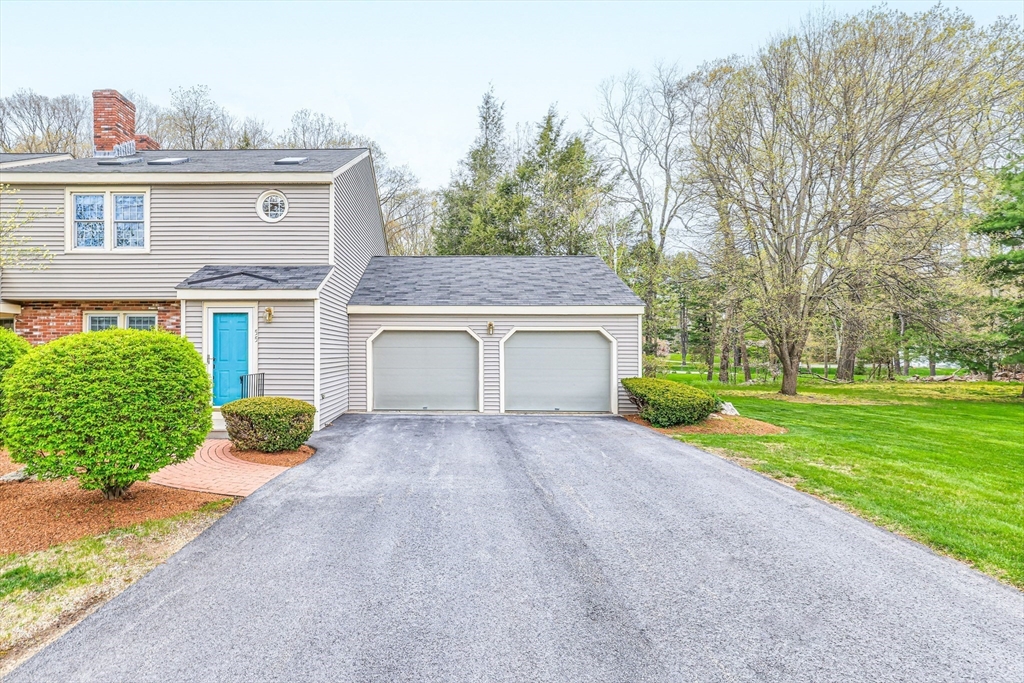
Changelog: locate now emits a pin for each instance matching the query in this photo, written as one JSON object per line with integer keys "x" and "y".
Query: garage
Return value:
{"x": 425, "y": 370}
{"x": 492, "y": 334}
{"x": 563, "y": 371}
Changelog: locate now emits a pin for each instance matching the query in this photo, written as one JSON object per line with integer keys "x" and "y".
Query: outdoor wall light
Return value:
{"x": 490, "y": 328}
{"x": 268, "y": 314}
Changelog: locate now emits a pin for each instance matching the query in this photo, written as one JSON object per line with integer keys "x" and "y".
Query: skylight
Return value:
{"x": 168, "y": 161}
{"x": 291, "y": 161}
{"x": 119, "y": 161}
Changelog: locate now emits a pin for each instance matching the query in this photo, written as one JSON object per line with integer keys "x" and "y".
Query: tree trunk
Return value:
{"x": 931, "y": 362}
{"x": 790, "y": 371}
{"x": 849, "y": 344}
{"x": 745, "y": 359}
{"x": 723, "y": 362}
{"x": 711, "y": 346}
{"x": 682, "y": 336}
{"x": 113, "y": 492}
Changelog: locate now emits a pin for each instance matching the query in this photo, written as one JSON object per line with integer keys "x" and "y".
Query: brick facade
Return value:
{"x": 43, "y": 321}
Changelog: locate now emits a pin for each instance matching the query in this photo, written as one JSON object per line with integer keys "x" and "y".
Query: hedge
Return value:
{"x": 109, "y": 408}
{"x": 12, "y": 347}
{"x": 664, "y": 403}
{"x": 268, "y": 423}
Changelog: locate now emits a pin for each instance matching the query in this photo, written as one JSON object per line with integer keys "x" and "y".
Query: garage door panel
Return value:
{"x": 558, "y": 371}
{"x": 425, "y": 370}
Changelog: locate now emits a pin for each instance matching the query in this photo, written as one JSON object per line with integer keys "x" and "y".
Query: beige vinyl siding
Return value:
{"x": 622, "y": 327}
{"x": 284, "y": 349}
{"x": 358, "y": 235}
{"x": 192, "y": 323}
{"x": 284, "y": 346}
{"x": 191, "y": 226}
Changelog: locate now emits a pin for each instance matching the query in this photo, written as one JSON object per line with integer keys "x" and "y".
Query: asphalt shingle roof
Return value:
{"x": 209, "y": 161}
{"x": 491, "y": 281}
{"x": 19, "y": 156}
{"x": 256, "y": 277}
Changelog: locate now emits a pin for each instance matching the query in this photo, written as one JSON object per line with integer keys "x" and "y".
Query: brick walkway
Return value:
{"x": 215, "y": 470}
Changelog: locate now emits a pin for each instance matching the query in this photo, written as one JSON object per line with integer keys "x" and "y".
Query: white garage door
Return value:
{"x": 425, "y": 371}
{"x": 564, "y": 371}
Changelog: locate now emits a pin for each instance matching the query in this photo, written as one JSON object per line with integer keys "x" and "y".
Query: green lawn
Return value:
{"x": 940, "y": 463}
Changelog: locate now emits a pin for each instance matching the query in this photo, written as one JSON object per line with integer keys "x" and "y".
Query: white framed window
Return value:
{"x": 107, "y": 219}
{"x": 272, "y": 206}
{"x": 98, "y": 321}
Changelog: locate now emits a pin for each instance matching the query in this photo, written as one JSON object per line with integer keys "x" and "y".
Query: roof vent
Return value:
{"x": 291, "y": 161}
{"x": 119, "y": 161}
{"x": 168, "y": 161}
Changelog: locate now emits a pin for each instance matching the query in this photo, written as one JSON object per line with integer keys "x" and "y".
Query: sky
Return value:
{"x": 409, "y": 75}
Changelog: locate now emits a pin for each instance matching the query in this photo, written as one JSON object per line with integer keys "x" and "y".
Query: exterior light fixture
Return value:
{"x": 268, "y": 314}
{"x": 490, "y": 328}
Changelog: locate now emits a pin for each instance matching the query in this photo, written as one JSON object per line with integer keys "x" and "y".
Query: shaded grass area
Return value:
{"x": 942, "y": 464}
{"x": 44, "y": 593}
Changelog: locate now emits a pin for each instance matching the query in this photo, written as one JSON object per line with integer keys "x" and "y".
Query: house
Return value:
{"x": 273, "y": 263}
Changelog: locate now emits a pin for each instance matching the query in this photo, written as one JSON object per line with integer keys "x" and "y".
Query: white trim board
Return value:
{"x": 356, "y": 309}
{"x": 35, "y": 160}
{"x": 614, "y": 371}
{"x": 420, "y": 328}
{"x": 248, "y": 294}
{"x": 141, "y": 178}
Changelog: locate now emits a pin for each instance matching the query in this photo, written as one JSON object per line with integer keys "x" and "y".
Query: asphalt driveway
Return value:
{"x": 519, "y": 548}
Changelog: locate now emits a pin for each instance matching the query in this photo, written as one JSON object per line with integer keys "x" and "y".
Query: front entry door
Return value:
{"x": 230, "y": 355}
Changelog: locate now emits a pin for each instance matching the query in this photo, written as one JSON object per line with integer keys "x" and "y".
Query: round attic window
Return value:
{"x": 272, "y": 206}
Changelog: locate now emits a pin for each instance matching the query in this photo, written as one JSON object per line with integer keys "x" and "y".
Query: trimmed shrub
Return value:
{"x": 109, "y": 408}
{"x": 664, "y": 403}
{"x": 268, "y": 423}
{"x": 12, "y": 347}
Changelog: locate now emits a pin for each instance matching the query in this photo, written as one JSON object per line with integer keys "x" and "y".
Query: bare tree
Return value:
{"x": 314, "y": 130}
{"x": 150, "y": 118}
{"x": 196, "y": 121}
{"x": 253, "y": 134}
{"x": 642, "y": 130}
{"x": 829, "y": 150}
{"x": 30, "y": 122}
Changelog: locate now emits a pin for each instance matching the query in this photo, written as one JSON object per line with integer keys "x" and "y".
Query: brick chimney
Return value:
{"x": 113, "y": 126}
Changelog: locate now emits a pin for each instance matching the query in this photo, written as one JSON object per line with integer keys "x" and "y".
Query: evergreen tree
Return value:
{"x": 1004, "y": 225}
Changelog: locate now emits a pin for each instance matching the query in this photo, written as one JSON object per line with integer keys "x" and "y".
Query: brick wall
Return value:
{"x": 44, "y": 321}
{"x": 145, "y": 143}
{"x": 113, "y": 120}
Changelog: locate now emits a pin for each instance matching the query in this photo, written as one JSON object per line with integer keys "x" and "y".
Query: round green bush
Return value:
{"x": 268, "y": 423}
{"x": 12, "y": 347}
{"x": 109, "y": 408}
{"x": 664, "y": 403}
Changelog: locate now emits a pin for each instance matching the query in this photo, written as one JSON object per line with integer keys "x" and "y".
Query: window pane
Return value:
{"x": 273, "y": 206}
{"x": 141, "y": 322}
{"x": 88, "y": 207}
{"x": 129, "y": 207}
{"x": 130, "y": 234}
{"x": 7, "y": 323}
{"x": 102, "y": 322}
{"x": 89, "y": 234}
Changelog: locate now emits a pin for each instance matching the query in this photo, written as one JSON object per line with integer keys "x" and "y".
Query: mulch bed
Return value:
{"x": 37, "y": 514}
{"x": 717, "y": 424}
{"x": 283, "y": 458}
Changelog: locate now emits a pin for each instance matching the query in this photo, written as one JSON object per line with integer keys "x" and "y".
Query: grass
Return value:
{"x": 940, "y": 463}
{"x": 44, "y": 593}
{"x": 27, "y": 578}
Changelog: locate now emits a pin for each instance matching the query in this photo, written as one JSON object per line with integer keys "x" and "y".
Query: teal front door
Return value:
{"x": 230, "y": 355}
